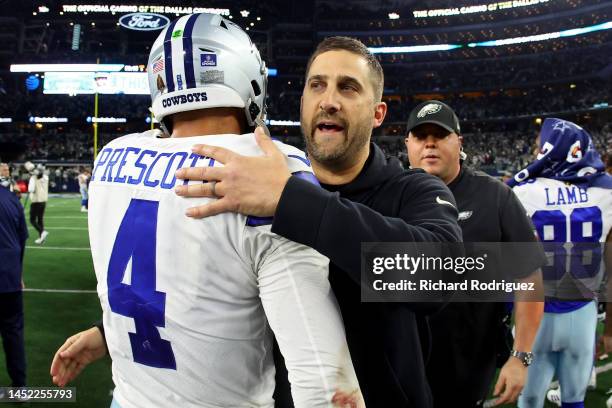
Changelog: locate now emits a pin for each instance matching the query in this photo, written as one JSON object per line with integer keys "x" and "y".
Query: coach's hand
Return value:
{"x": 75, "y": 354}
{"x": 511, "y": 381}
{"x": 245, "y": 184}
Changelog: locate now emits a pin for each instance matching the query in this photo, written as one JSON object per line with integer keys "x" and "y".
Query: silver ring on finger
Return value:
{"x": 212, "y": 188}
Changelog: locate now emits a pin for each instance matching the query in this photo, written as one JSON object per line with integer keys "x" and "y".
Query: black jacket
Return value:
{"x": 384, "y": 203}
{"x": 469, "y": 339}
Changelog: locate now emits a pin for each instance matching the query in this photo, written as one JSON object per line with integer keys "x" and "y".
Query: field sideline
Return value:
{"x": 60, "y": 300}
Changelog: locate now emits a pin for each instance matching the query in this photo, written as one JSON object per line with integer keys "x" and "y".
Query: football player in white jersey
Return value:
{"x": 189, "y": 306}
{"x": 569, "y": 198}
{"x": 83, "y": 179}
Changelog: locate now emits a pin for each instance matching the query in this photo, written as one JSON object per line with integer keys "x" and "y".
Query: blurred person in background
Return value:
{"x": 38, "y": 187}
{"x": 83, "y": 179}
{"x": 6, "y": 181}
{"x": 13, "y": 236}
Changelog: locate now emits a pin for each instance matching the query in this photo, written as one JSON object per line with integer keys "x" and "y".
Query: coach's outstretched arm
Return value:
{"x": 75, "y": 354}
{"x": 312, "y": 216}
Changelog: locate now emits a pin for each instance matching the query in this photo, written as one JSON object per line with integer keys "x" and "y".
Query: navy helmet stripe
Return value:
{"x": 188, "y": 49}
{"x": 168, "y": 56}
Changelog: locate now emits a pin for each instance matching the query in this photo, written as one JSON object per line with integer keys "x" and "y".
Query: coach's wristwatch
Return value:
{"x": 526, "y": 357}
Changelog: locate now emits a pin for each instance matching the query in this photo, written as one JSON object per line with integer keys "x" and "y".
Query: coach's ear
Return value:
{"x": 380, "y": 111}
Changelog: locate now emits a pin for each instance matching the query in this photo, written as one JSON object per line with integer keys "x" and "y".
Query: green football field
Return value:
{"x": 60, "y": 300}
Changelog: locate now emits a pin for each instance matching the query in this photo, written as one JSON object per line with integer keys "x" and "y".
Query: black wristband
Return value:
{"x": 100, "y": 327}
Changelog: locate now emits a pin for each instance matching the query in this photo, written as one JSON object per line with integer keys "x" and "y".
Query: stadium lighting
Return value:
{"x": 282, "y": 123}
{"x": 6, "y": 120}
{"x": 413, "y": 48}
{"x": 393, "y": 16}
{"x": 543, "y": 37}
{"x": 37, "y": 119}
{"x": 66, "y": 67}
{"x": 76, "y": 37}
{"x": 91, "y": 119}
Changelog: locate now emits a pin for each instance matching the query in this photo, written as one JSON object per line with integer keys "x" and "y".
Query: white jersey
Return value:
{"x": 189, "y": 305}
{"x": 82, "y": 179}
{"x": 567, "y": 213}
{"x": 38, "y": 187}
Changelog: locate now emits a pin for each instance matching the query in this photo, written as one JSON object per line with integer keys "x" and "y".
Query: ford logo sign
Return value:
{"x": 144, "y": 21}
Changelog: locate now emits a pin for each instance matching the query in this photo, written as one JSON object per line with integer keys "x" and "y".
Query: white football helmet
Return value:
{"x": 204, "y": 61}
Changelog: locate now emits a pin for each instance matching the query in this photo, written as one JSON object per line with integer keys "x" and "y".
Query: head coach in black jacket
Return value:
{"x": 364, "y": 198}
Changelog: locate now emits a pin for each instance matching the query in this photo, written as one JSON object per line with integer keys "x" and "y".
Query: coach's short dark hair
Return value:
{"x": 340, "y": 43}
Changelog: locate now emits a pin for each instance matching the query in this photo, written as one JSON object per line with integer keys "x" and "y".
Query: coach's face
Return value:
{"x": 338, "y": 109}
{"x": 435, "y": 150}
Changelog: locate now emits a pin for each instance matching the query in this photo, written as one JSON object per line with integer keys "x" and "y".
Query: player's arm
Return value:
{"x": 302, "y": 311}
{"x": 76, "y": 353}
{"x": 32, "y": 184}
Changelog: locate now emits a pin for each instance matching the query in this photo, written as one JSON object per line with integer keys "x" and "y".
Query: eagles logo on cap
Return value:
{"x": 429, "y": 109}
{"x": 435, "y": 112}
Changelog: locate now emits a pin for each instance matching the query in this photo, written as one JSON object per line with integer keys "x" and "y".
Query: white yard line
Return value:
{"x": 62, "y": 228}
{"x": 57, "y": 248}
{"x": 59, "y": 290}
{"x": 50, "y": 217}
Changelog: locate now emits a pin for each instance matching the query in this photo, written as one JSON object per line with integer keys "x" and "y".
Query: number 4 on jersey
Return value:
{"x": 136, "y": 240}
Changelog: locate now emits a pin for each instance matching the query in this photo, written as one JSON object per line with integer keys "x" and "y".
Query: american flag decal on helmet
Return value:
{"x": 158, "y": 66}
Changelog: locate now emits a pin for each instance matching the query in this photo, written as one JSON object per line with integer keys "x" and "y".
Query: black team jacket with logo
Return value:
{"x": 468, "y": 339}
{"x": 384, "y": 203}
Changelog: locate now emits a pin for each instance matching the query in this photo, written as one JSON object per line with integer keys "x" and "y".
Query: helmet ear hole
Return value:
{"x": 253, "y": 111}
{"x": 256, "y": 88}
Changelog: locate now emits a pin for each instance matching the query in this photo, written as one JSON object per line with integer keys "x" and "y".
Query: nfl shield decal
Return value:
{"x": 208, "y": 60}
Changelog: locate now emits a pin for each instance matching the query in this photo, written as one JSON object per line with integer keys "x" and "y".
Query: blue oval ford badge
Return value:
{"x": 144, "y": 21}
